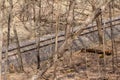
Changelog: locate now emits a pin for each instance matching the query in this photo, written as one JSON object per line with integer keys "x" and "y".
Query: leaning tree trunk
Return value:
{"x": 99, "y": 26}
{"x": 19, "y": 52}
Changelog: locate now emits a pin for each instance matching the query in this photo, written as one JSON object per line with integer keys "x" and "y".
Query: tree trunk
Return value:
{"x": 1, "y": 37}
{"x": 99, "y": 27}
{"x": 18, "y": 50}
{"x": 56, "y": 38}
{"x": 39, "y": 34}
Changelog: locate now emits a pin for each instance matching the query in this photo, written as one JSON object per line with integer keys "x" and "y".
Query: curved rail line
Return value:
{"x": 46, "y": 40}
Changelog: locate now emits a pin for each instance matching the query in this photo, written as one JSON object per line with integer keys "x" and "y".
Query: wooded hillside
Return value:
{"x": 60, "y": 39}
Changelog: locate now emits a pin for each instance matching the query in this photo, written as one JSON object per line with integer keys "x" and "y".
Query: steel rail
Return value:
{"x": 30, "y": 44}
{"x": 61, "y": 39}
{"x": 52, "y": 36}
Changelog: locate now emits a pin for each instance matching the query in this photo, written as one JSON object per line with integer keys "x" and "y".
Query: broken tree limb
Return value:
{"x": 98, "y": 51}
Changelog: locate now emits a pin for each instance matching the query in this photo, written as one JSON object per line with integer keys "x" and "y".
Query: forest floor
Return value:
{"x": 81, "y": 66}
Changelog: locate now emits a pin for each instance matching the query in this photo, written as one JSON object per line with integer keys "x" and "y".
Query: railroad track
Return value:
{"x": 47, "y": 40}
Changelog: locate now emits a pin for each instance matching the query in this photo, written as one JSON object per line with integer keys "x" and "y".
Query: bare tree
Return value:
{"x": 112, "y": 36}
{"x": 56, "y": 38}
{"x": 18, "y": 49}
{"x": 1, "y": 37}
{"x": 99, "y": 26}
{"x": 98, "y": 22}
{"x": 38, "y": 36}
{"x": 70, "y": 23}
{"x": 8, "y": 37}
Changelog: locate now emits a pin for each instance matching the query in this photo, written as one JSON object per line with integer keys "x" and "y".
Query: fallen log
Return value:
{"x": 98, "y": 51}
